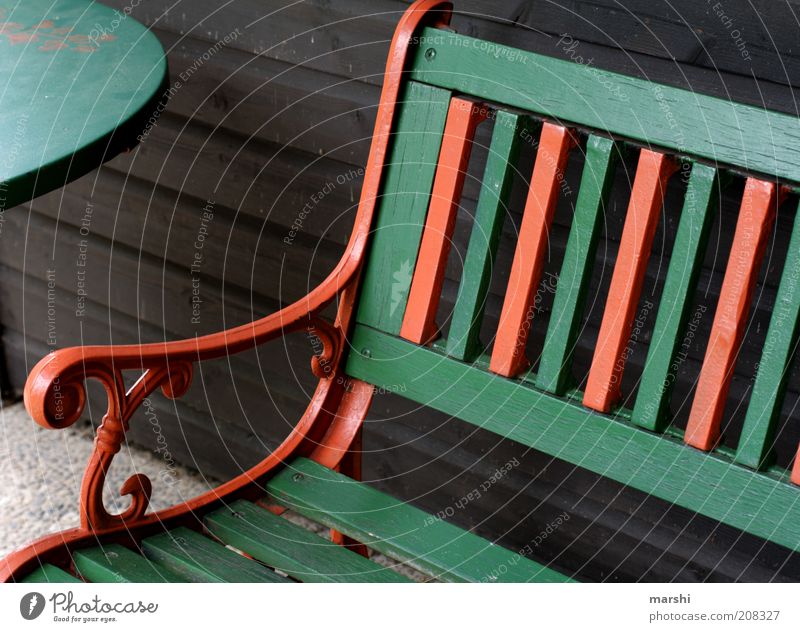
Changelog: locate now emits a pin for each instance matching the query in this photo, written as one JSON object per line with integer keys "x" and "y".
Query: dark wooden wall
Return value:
{"x": 256, "y": 166}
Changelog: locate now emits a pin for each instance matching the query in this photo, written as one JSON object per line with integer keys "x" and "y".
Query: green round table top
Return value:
{"x": 79, "y": 83}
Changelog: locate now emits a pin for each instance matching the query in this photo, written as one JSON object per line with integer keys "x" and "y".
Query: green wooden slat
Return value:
{"x": 722, "y": 130}
{"x": 399, "y": 530}
{"x": 463, "y": 341}
{"x": 763, "y": 411}
{"x": 297, "y": 552}
{"x": 554, "y": 372}
{"x": 651, "y": 409}
{"x": 115, "y": 563}
{"x": 49, "y": 574}
{"x": 200, "y": 559}
{"x": 403, "y": 207}
{"x": 710, "y": 484}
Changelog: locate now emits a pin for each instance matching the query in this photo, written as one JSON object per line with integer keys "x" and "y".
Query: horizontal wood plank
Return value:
{"x": 760, "y": 503}
{"x": 400, "y": 530}
{"x": 49, "y": 574}
{"x": 747, "y": 137}
{"x": 113, "y": 563}
{"x": 290, "y": 548}
{"x": 200, "y": 559}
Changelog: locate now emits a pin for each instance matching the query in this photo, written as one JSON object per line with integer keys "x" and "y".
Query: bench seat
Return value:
{"x": 244, "y": 542}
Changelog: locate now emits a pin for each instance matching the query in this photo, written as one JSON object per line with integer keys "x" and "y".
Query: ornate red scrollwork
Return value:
{"x": 174, "y": 380}
{"x": 56, "y": 397}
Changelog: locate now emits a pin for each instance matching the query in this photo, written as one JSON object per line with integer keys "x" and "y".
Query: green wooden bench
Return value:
{"x": 438, "y": 88}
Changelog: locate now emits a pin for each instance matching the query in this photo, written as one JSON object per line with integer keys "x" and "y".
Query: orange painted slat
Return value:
{"x": 796, "y": 468}
{"x": 610, "y": 355}
{"x": 508, "y": 355}
{"x": 756, "y": 215}
{"x": 463, "y": 117}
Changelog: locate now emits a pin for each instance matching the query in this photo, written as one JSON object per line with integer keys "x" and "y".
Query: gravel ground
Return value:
{"x": 40, "y": 478}
{"x": 41, "y": 470}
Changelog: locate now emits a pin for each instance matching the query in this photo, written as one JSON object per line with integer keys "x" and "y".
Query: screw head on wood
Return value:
{"x": 430, "y": 54}
{"x": 367, "y": 353}
{"x": 297, "y": 477}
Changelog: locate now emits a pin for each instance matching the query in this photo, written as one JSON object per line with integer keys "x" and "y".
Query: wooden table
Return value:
{"x": 79, "y": 83}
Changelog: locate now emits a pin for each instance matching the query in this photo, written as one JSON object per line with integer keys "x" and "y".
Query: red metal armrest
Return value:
{"x": 55, "y": 392}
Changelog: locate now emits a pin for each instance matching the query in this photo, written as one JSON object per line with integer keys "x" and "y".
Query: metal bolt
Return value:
{"x": 367, "y": 353}
{"x": 297, "y": 478}
{"x": 430, "y": 54}
{"x": 237, "y": 514}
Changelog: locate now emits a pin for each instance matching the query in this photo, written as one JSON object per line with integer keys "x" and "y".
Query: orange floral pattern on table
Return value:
{"x": 50, "y": 37}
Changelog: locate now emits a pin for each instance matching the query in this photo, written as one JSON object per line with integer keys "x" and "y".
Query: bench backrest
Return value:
{"x": 454, "y": 84}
